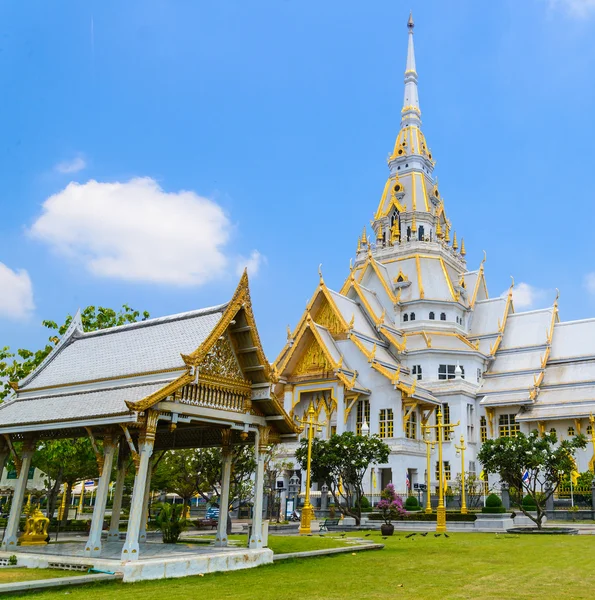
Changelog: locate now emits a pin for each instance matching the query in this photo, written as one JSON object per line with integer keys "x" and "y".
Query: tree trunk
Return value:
{"x": 53, "y": 494}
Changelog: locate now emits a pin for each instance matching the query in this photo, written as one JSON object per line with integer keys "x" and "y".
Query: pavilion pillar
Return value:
{"x": 4, "y": 454}
{"x": 142, "y": 536}
{"x": 146, "y": 443}
{"x": 340, "y": 409}
{"x": 93, "y": 545}
{"x": 11, "y": 534}
{"x": 114, "y": 525}
{"x": 256, "y": 535}
{"x": 221, "y": 538}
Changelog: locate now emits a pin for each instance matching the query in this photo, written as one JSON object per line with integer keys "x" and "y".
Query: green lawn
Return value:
{"x": 10, "y": 575}
{"x": 466, "y": 565}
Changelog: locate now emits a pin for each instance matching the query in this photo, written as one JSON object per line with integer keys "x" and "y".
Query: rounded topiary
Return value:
{"x": 493, "y": 501}
{"x": 365, "y": 503}
{"x": 411, "y": 503}
{"x": 529, "y": 503}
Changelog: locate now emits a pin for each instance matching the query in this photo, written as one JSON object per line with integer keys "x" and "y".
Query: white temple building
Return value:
{"x": 413, "y": 328}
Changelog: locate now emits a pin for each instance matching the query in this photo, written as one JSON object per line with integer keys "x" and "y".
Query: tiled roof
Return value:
{"x": 143, "y": 347}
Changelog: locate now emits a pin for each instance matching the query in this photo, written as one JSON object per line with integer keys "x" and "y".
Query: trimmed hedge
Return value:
{"x": 529, "y": 503}
{"x": 493, "y": 509}
{"x": 493, "y": 501}
{"x": 450, "y": 516}
{"x": 411, "y": 503}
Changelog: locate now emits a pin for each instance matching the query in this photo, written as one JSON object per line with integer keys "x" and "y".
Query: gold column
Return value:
{"x": 429, "y": 446}
{"x": 462, "y": 449}
{"x": 441, "y": 510}
{"x": 308, "y": 510}
{"x": 62, "y": 504}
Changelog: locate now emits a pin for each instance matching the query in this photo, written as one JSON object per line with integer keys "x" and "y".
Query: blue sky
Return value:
{"x": 150, "y": 149}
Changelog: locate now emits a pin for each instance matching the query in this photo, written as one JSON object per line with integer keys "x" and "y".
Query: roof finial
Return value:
{"x": 320, "y": 274}
{"x": 455, "y": 244}
{"x": 410, "y": 23}
{"x": 410, "y": 113}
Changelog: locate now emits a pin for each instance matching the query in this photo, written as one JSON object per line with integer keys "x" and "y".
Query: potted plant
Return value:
{"x": 390, "y": 507}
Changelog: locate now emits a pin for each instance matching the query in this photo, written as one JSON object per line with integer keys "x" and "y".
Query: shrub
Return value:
{"x": 493, "y": 501}
{"x": 171, "y": 521}
{"x": 529, "y": 503}
{"x": 412, "y": 503}
{"x": 450, "y": 516}
{"x": 364, "y": 503}
{"x": 493, "y": 509}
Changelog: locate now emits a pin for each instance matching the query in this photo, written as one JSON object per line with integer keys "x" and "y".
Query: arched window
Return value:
{"x": 400, "y": 279}
{"x": 420, "y": 233}
{"x": 443, "y": 316}
{"x": 408, "y": 233}
{"x": 432, "y": 316}
{"x": 405, "y": 317}
{"x": 413, "y": 316}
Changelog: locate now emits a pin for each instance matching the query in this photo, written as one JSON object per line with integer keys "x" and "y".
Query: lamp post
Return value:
{"x": 307, "y": 510}
{"x": 461, "y": 450}
{"x": 429, "y": 447}
{"x": 441, "y": 510}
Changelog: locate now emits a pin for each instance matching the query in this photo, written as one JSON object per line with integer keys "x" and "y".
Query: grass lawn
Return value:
{"x": 282, "y": 544}
{"x": 466, "y": 565}
{"x": 10, "y": 575}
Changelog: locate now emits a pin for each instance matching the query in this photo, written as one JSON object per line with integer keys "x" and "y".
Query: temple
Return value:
{"x": 413, "y": 328}
{"x": 197, "y": 379}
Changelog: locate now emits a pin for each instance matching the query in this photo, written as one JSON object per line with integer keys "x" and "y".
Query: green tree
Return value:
{"x": 544, "y": 462}
{"x": 341, "y": 462}
{"x": 15, "y": 366}
{"x": 274, "y": 466}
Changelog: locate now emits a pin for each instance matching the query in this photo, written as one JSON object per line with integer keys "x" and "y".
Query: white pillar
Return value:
{"x": 146, "y": 443}
{"x": 142, "y": 536}
{"x": 221, "y": 538}
{"x": 11, "y": 533}
{"x": 93, "y": 545}
{"x": 288, "y": 398}
{"x": 256, "y": 537}
{"x": 114, "y": 526}
{"x": 340, "y": 409}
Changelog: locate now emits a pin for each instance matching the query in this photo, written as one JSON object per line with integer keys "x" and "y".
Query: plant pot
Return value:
{"x": 387, "y": 529}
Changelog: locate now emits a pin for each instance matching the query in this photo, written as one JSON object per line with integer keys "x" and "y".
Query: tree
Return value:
{"x": 15, "y": 366}
{"x": 341, "y": 462}
{"x": 531, "y": 465}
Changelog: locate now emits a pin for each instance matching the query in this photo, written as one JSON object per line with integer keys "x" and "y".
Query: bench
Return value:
{"x": 212, "y": 523}
{"x": 329, "y": 523}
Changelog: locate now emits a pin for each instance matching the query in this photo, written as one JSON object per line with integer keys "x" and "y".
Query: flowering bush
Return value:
{"x": 390, "y": 505}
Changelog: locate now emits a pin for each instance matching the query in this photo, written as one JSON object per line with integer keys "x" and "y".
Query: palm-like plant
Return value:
{"x": 171, "y": 521}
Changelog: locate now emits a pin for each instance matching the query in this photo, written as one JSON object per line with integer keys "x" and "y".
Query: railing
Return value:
{"x": 210, "y": 395}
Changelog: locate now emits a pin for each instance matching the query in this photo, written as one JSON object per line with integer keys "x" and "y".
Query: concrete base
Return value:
{"x": 493, "y": 522}
{"x": 160, "y": 560}
{"x": 347, "y": 522}
{"x": 520, "y": 520}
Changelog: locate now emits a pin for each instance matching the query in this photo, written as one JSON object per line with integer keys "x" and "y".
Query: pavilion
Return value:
{"x": 192, "y": 380}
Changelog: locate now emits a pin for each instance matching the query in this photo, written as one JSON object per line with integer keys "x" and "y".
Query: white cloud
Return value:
{"x": 578, "y": 8}
{"x": 525, "y": 295}
{"x": 136, "y": 231}
{"x": 16, "y": 299}
{"x": 71, "y": 166}
{"x": 252, "y": 263}
{"x": 589, "y": 283}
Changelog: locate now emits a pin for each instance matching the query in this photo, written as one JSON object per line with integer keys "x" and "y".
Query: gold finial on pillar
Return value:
{"x": 379, "y": 233}
{"x": 439, "y": 229}
{"x": 413, "y": 225}
{"x": 463, "y": 251}
{"x": 395, "y": 233}
{"x": 364, "y": 237}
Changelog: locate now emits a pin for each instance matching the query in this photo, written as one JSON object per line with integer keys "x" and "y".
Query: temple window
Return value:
{"x": 363, "y": 414}
{"x": 507, "y": 426}
{"x": 420, "y": 233}
{"x": 408, "y": 233}
{"x": 446, "y": 467}
{"x": 571, "y": 432}
{"x": 448, "y": 371}
{"x": 432, "y": 316}
{"x": 589, "y": 429}
{"x": 553, "y": 431}
{"x": 483, "y": 429}
{"x": 386, "y": 422}
{"x": 411, "y": 426}
{"x": 405, "y": 317}
{"x": 416, "y": 372}
{"x": 443, "y": 316}
{"x": 412, "y": 316}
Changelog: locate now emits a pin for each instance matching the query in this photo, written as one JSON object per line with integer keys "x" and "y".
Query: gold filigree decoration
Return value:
{"x": 312, "y": 361}
{"x": 327, "y": 317}
{"x": 221, "y": 361}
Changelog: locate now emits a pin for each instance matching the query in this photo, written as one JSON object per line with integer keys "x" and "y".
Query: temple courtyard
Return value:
{"x": 461, "y": 566}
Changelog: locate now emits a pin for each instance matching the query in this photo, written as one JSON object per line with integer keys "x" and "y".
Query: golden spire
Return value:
{"x": 364, "y": 237}
{"x": 413, "y": 225}
{"x": 455, "y": 244}
{"x": 463, "y": 251}
{"x": 379, "y": 234}
{"x": 439, "y": 229}
{"x": 395, "y": 233}
{"x": 447, "y": 237}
